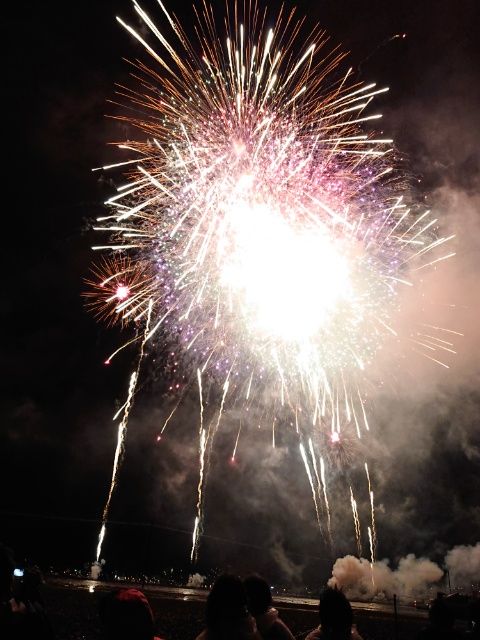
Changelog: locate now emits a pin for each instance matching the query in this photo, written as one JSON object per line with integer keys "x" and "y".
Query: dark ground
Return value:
{"x": 73, "y": 613}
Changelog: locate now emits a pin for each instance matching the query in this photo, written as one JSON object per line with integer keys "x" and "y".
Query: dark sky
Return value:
{"x": 57, "y": 398}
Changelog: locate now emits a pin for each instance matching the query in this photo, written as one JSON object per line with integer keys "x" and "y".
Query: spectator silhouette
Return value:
{"x": 336, "y": 618}
{"x": 22, "y": 615}
{"x": 441, "y": 621}
{"x": 227, "y": 616}
{"x": 125, "y": 614}
{"x": 260, "y": 605}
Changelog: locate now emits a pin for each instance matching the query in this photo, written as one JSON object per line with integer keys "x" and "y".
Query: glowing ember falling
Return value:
{"x": 262, "y": 230}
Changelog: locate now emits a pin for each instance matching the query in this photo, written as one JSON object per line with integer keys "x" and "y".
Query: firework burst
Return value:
{"x": 114, "y": 284}
{"x": 261, "y": 229}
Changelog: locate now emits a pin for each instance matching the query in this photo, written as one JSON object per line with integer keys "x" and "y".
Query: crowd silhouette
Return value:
{"x": 22, "y": 611}
{"x": 235, "y": 610}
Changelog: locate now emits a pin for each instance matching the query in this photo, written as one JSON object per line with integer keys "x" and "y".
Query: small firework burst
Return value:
{"x": 114, "y": 287}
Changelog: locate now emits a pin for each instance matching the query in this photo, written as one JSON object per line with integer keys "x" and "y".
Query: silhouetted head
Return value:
{"x": 226, "y": 602}
{"x": 335, "y": 611}
{"x": 259, "y": 595}
{"x": 440, "y": 614}
{"x": 126, "y": 615}
{"x": 7, "y": 566}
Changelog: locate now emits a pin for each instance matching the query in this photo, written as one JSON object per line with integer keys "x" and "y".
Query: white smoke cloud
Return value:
{"x": 463, "y": 563}
{"x": 95, "y": 570}
{"x": 360, "y": 581}
{"x": 413, "y": 576}
{"x": 196, "y": 581}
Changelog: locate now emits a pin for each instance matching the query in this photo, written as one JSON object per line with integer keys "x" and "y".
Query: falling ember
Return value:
{"x": 260, "y": 238}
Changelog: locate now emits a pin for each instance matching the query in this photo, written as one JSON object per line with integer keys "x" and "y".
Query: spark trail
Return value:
{"x": 236, "y": 442}
{"x": 206, "y": 443}
{"x": 325, "y": 497}
{"x": 121, "y": 433}
{"x": 321, "y": 488}
{"x": 310, "y": 480}
{"x": 198, "y": 517}
{"x": 372, "y": 512}
{"x": 372, "y": 554}
{"x": 356, "y": 522}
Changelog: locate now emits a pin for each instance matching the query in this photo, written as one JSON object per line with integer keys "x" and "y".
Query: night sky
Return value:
{"x": 57, "y": 398}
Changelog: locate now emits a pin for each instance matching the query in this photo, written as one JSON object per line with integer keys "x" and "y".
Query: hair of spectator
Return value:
{"x": 259, "y": 594}
{"x": 335, "y": 610}
{"x": 126, "y": 615}
{"x": 227, "y": 601}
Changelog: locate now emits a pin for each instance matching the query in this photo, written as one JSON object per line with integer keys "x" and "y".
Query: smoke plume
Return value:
{"x": 95, "y": 570}
{"x": 463, "y": 563}
{"x": 360, "y": 581}
{"x": 196, "y": 581}
{"x": 412, "y": 578}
